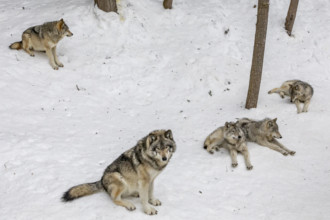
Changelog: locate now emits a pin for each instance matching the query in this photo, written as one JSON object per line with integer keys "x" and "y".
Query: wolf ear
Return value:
{"x": 151, "y": 139}
{"x": 269, "y": 124}
{"x": 60, "y": 24}
{"x": 168, "y": 135}
{"x": 275, "y": 119}
{"x": 227, "y": 125}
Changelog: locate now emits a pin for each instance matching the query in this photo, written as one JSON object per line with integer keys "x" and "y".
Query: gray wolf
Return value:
{"x": 44, "y": 38}
{"x": 232, "y": 138}
{"x": 298, "y": 91}
{"x": 133, "y": 173}
{"x": 264, "y": 132}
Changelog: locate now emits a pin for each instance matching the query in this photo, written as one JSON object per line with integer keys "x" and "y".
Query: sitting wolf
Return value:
{"x": 232, "y": 138}
{"x": 264, "y": 133}
{"x": 133, "y": 173}
{"x": 298, "y": 91}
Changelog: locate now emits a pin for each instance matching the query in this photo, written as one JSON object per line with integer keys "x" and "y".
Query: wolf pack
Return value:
{"x": 133, "y": 172}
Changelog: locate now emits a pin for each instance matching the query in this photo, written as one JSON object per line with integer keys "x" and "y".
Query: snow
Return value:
{"x": 149, "y": 68}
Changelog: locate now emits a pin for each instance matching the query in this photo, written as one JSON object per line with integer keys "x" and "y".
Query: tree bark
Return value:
{"x": 107, "y": 5}
{"x": 258, "y": 54}
{"x": 291, "y": 16}
{"x": 167, "y": 4}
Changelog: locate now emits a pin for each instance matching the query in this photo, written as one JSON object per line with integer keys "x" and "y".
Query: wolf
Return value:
{"x": 264, "y": 132}
{"x": 298, "y": 91}
{"x": 133, "y": 173}
{"x": 232, "y": 138}
{"x": 44, "y": 38}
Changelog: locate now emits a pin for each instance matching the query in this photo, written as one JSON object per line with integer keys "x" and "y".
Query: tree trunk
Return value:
{"x": 258, "y": 54}
{"x": 167, "y": 4}
{"x": 107, "y": 5}
{"x": 291, "y": 16}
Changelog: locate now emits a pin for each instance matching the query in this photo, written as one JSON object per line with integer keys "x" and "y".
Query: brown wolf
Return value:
{"x": 44, "y": 38}
{"x": 133, "y": 173}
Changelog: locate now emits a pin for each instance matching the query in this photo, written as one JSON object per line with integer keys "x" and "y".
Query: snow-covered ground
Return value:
{"x": 149, "y": 68}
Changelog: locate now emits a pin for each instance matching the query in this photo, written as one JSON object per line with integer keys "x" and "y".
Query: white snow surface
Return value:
{"x": 147, "y": 68}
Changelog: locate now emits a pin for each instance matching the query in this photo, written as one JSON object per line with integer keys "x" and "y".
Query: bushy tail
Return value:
{"x": 16, "y": 45}
{"x": 81, "y": 190}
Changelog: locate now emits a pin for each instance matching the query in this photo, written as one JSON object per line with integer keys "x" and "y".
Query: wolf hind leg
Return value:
{"x": 115, "y": 187}
{"x": 26, "y": 44}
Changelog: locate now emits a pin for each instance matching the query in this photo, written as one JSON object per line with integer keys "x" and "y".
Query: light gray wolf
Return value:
{"x": 264, "y": 132}
{"x": 133, "y": 173}
{"x": 298, "y": 91}
{"x": 232, "y": 138}
{"x": 44, "y": 38}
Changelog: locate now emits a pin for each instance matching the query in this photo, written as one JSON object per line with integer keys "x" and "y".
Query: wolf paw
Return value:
{"x": 155, "y": 202}
{"x": 130, "y": 206}
{"x": 234, "y": 164}
{"x": 55, "y": 67}
{"x": 150, "y": 210}
{"x": 60, "y": 64}
{"x": 211, "y": 152}
{"x": 249, "y": 167}
{"x": 285, "y": 153}
{"x": 292, "y": 153}
{"x": 32, "y": 54}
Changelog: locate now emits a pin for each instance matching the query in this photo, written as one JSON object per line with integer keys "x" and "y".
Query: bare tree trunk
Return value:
{"x": 258, "y": 54}
{"x": 107, "y": 5}
{"x": 291, "y": 16}
{"x": 167, "y": 4}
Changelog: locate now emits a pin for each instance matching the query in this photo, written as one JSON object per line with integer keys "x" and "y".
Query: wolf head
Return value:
{"x": 272, "y": 128}
{"x": 296, "y": 91}
{"x": 160, "y": 146}
{"x": 63, "y": 28}
{"x": 233, "y": 133}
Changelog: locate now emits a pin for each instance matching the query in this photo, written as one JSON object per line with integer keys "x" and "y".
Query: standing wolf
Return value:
{"x": 264, "y": 133}
{"x": 44, "y": 38}
{"x": 298, "y": 91}
{"x": 133, "y": 173}
{"x": 232, "y": 138}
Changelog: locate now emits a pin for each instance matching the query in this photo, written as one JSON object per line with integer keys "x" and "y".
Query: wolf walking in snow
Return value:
{"x": 133, "y": 173}
{"x": 44, "y": 38}
{"x": 264, "y": 132}
{"x": 232, "y": 138}
{"x": 298, "y": 91}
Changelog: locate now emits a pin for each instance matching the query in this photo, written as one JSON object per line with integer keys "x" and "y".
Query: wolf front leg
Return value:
{"x": 50, "y": 55}
{"x": 273, "y": 146}
{"x": 291, "y": 152}
{"x": 306, "y": 104}
{"x": 298, "y": 106}
{"x": 56, "y": 58}
{"x": 152, "y": 199}
{"x": 233, "y": 155}
{"x": 246, "y": 155}
{"x": 144, "y": 196}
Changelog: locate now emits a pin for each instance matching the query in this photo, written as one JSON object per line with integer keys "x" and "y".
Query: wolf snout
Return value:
{"x": 164, "y": 158}
{"x": 239, "y": 137}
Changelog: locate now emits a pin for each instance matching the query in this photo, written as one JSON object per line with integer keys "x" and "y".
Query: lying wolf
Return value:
{"x": 298, "y": 91}
{"x": 264, "y": 133}
{"x": 133, "y": 173}
{"x": 232, "y": 138}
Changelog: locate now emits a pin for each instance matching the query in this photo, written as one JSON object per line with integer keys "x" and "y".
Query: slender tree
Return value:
{"x": 106, "y": 5}
{"x": 258, "y": 54}
{"x": 167, "y": 4}
{"x": 291, "y": 16}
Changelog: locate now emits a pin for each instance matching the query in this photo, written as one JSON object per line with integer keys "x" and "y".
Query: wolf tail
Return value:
{"x": 81, "y": 190}
{"x": 16, "y": 45}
